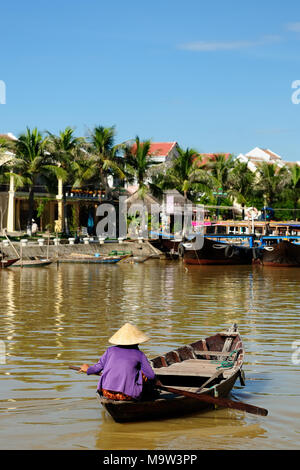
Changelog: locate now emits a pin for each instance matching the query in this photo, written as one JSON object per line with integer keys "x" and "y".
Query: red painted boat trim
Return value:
{"x": 7, "y": 262}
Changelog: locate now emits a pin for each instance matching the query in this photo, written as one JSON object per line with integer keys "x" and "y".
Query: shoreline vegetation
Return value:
{"x": 68, "y": 164}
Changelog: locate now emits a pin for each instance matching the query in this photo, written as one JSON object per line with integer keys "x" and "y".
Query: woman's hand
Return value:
{"x": 84, "y": 368}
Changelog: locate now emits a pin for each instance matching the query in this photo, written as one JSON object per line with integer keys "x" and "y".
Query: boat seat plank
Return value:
{"x": 190, "y": 389}
{"x": 211, "y": 353}
{"x": 202, "y": 373}
{"x": 190, "y": 367}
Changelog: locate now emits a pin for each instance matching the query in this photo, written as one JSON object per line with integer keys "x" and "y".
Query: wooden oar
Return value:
{"x": 75, "y": 368}
{"x": 224, "y": 402}
{"x": 79, "y": 368}
{"x": 213, "y": 377}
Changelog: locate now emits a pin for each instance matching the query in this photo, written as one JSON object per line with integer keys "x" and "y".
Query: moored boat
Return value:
{"x": 32, "y": 263}
{"x": 208, "y": 366}
{"x": 86, "y": 259}
{"x": 282, "y": 253}
{"x": 5, "y": 263}
{"x": 216, "y": 252}
{"x": 165, "y": 242}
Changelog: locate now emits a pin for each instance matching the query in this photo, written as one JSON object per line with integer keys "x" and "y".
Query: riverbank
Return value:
{"x": 64, "y": 251}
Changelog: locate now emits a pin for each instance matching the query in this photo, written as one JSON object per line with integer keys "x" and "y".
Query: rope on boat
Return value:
{"x": 227, "y": 363}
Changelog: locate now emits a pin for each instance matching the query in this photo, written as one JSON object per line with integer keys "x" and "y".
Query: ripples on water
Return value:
{"x": 52, "y": 317}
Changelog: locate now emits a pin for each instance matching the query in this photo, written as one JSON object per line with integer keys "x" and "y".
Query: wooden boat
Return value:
{"x": 281, "y": 254}
{"x": 209, "y": 366}
{"x": 215, "y": 252}
{"x": 81, "y": 258}
{"x": 32, "y": 263}
{"x": 165, "y": 242}
{"x": 4, "y": 263}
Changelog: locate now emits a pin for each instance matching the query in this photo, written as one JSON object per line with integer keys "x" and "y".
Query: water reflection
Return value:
{"x": 56, "y": 316}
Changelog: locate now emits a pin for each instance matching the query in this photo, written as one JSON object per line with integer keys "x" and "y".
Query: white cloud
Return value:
{"x": 228, "y": 45}
{"x": 295, "y": 27}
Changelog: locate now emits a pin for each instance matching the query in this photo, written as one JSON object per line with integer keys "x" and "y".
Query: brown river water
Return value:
{"x": 59, "y": 315}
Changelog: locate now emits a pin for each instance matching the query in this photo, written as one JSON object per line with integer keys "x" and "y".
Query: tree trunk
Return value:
{"x": 31, "y": 208}
{"x": 185, "y": 197}
{"x": 103, "y": 182}
{"x": 65, "y": 227}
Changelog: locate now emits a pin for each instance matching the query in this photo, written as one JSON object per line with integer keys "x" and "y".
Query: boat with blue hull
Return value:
{"x": 85, "y": 259}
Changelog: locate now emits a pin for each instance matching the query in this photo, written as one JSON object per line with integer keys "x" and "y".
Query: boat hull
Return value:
{"x": 197, "y": 355}
{"x": 216, "y": 253}
{"x": 282, "y": 254}
{"x": 8, "y": 262}
{"x": 31, "y": 263}
{"x": 95, "y": 260}
{"x": 162, "y": 408}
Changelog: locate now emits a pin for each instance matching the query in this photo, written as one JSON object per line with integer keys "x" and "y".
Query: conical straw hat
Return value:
{"x": 127, "y": 335}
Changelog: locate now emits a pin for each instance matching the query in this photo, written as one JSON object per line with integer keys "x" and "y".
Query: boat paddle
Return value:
{"x": 223, "y": 402}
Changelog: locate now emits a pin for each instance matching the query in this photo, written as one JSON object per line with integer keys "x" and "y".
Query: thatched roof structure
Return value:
{"x": 144, "y": 199}
{"x": 178, "y": 199}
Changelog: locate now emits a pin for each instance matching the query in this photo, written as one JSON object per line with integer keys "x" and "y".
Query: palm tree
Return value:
{"x": 64, "y": 149}
{"x": 137, "y": 159}
{"x": 6, "y": 156}
{"x": 294, "y": 186}
{"x": 104, "y": 156}
{"x": 220, "y": 168}
{"x": 32, "y": 162}
{"x": 2, "y": 163}
{"x": 241, "y": 182}
{"x": 272, "y": 181}
{"x": 187, "y": 173}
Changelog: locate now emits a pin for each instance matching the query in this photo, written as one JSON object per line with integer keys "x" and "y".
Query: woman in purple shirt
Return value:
{"x": 126, "y": 371}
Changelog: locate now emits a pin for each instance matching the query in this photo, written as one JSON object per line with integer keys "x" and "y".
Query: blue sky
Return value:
{"x": 215, "y": 76}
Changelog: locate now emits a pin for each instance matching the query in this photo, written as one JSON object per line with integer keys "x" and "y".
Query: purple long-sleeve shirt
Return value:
{"x": 122, "y": 369}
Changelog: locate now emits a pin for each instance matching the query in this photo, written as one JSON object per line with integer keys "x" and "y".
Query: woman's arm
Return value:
{"x": 96, "y": 368}
{"x": 146, "y": 368}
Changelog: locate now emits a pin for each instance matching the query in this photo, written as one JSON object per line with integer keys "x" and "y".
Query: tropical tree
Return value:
{"x": 241, "y": 182}
{"x": 293, "y": 189}
{"x": 187, "y": 174}
{"x": 220, "y": 168}
{"x": 272, "y": 181}
{"x": 6, "y": 156}
{"x": 64, "y": 149}
{"x": 2, "y": 164}
{"x": 32, "y": 162}
{"x": 104, "y": 156}
{"x": 137, "y": 160}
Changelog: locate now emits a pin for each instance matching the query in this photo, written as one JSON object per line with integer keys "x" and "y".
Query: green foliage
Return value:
{"x": 137, "y": 160}
{"x": 79, "y": 161}
{"x": 41, "y": 206}
{"x": 104, "y": 158}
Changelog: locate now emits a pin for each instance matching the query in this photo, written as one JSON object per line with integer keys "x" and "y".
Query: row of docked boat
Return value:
{"x": 278, "y": 251}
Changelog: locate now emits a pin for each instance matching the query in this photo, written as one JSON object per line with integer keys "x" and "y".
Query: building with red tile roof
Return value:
{"x": 160, "y": 152}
